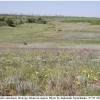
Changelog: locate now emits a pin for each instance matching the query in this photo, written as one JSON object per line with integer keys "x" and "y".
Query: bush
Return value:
{"x": 12, "y": 25}
{"x": 31, "y": 20}
{"x": 3, "y": 23}
{"x": 21, "y": 22}
{"x": 9, "y": 22}
{"x": 41, "y": 21}
{"x": 59, "y": 30}
{"x": 2, "y": 19}
{"x": 25, "y": 43}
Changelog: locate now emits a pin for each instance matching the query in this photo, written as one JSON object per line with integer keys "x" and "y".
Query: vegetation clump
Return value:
{"x": 92, "y": 21}
{"x": 25, "y": 43}
{"x": 38, "y": 20}
{"x": 10, "y": 22}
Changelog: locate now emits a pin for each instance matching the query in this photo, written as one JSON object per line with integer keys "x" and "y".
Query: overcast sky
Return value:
{"x": 67, "y": 8}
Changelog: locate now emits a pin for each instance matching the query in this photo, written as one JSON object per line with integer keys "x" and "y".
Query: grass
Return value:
{"x": 45, "y": 72}
{"x": 10, "y": 34}
{"x": 45, "y": 33}
{"x": 55, "y": 59}
{"x": 92, "y": 21}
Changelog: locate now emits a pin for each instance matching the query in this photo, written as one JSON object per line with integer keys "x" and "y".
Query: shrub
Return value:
{"x": 41, "y": 21}
{"x": 31, "y": 20}
{"x": 21, "y": 22}
{"x": 12, "y": 25}
{"x": 59, "y": 30}
{"x": 9, "y": 22}
{"x": 2, "y": 19}
{"x": 25, "y": 43}
{"x": 3, "y": 23}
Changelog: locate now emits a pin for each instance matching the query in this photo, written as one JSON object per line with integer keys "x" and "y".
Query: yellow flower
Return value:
{"x": 88, "y": 75}
{"x": 95, "y": 78}
{"x": 84, "y": 71}
{"x": 46, "y": 75}
{"x": 37, "y": 72}
{"x": 78, "y": 83}
{"x": 32, "y": 74}
{"x": 43, "y": 69}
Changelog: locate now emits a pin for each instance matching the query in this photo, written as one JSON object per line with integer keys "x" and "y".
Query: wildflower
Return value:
{"x": 71, "y": 59}
{"x": 78, "y": 83}
{"x": 43, "y": 69}
{"x": 37, "y": 72}
{"x": 46, "y": 75}
{"x": 84, "y": 71}
{"x": 88, "y": 75}
{"x": 95, "y": 78}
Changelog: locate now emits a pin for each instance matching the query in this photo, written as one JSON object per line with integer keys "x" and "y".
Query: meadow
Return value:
{"x": 58, "y": 58}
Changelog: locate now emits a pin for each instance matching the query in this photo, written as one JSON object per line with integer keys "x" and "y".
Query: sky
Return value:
{"x": 65, "y": 8}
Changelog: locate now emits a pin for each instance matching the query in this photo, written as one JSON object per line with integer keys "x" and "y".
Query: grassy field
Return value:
{"x": 59, "y": 58}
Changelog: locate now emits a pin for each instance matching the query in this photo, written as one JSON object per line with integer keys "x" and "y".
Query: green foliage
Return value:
{"x": 21, "y": 22}
{"x": 3, "y": 23}
{"x": 12, "y": 25}
{"x": 93, "y": 21}
{"x": 2, "y": 19}
{"x": 50, "y": 70}
{"x": 59, "y": 30}
{"x": 31, "y": 20}
{"x": 25, "y": 43}
{"x": 9, "y": 22}
{"x": 41, "y": 21}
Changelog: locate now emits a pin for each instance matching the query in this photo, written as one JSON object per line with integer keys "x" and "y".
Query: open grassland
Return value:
{"x": 59, "y": 58}
{"x": 50, "y": 71}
